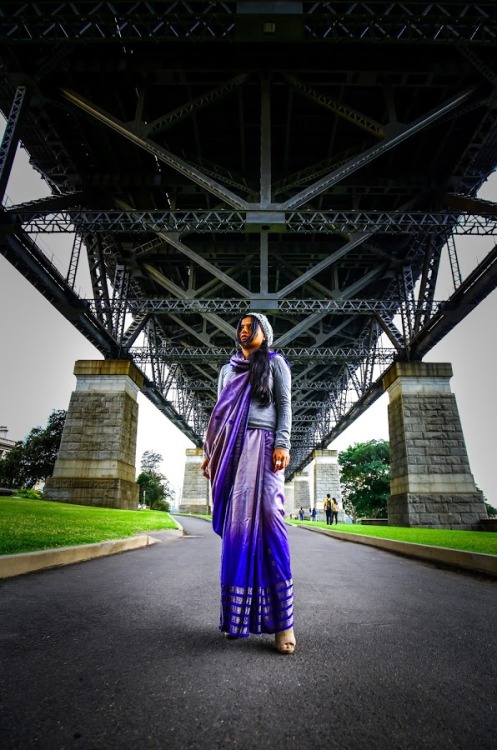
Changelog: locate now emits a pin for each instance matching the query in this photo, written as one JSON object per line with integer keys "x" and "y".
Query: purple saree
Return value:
{"x": 248, "y": 513}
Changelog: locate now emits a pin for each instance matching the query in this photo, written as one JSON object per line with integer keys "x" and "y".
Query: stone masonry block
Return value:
{"x": 428, "y": 452}
{"x": 96, "y": 459}
{"x": 195, "y": 497}
{"x": 107, "y": 493}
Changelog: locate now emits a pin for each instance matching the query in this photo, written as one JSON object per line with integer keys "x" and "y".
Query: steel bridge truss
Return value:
{"x": 341, "y": 250}
{"x": 340, "y": 21}
{"x": 37, "y": 221}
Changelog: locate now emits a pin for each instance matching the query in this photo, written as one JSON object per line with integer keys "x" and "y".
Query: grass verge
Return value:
{"x": 470, "y": 541}
{"x": 31, "y": 525}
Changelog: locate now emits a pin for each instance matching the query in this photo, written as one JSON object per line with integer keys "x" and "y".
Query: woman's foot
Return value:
{"x": 230, "y": 637}
{"x": 285, "y": 641}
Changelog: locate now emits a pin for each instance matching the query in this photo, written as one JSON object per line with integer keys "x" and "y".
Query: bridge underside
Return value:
{"x": 312, "y": 162}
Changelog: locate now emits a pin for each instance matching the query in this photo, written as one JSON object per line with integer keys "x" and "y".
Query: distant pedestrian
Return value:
{"x": 334, "y": 510}
{"x": 327, "y": 509}
{"x": 314, "y": 514}
{"x": 301, "y": 514}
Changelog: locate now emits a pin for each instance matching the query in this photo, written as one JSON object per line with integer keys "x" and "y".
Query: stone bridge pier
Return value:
{"x": 96, "y": 460}
{"x": 195, "y": 497}
{"x": 327, "y": 480}
{"x": 301, "y": 492}
{"x": 431, "y": 482}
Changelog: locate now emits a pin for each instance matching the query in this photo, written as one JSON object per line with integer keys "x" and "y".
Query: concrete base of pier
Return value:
{"x": 96, "y": 460}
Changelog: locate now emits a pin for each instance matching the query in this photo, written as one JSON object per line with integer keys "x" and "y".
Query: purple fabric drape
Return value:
{"x": 225, "y": 437}
{"x": 256, "y": 578}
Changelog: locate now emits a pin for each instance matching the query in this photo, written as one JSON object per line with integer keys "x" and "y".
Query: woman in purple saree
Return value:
{"x": 246, "y": 451}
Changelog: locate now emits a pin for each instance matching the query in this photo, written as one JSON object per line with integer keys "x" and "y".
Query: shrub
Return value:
{"x": 28, "y": 493}
{"x": 160, "y": 505}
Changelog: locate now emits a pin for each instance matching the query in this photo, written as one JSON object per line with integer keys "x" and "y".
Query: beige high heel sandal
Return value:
{"x": 285, "y": 641}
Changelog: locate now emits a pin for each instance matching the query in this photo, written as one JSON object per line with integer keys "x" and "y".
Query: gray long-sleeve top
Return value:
{"x": 276, "y": 417}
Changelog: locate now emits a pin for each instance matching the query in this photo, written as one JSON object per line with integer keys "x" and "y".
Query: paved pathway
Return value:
{"x": 123, "y": 652}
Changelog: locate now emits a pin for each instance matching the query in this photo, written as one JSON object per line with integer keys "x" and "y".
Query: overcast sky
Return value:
{"x": 39, "y": 349}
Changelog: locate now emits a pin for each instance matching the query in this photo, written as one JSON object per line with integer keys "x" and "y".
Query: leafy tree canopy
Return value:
{"x": 155, "y": 489}
{"x": 365, "y": 478}
{"x": 150, "y": 462}
{"x": 33, "y": 459}
{"x": 491, "y": 511}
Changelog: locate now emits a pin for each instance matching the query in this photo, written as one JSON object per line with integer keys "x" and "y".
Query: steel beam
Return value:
{"x": 475, "y": 288}
{"x": 326, "y": 355}
{"x": 322, "y": 265}
{"x": 309, "y": 221}
{"x": 394, "y": 136}
{"x": 180, "y": 165}
{"x": 200, "y": 261}
{"x": 340, "y": 21}
{"x": 288, "y": 306}
{"x": 186, "y": 110}
{"x": 337, "y": 107}
{"x": 182, "y": 299}
{"x": 10, "y": 138}
{"x": 26, "y": 256}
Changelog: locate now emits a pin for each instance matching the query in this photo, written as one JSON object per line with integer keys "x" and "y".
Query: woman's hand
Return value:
{"x": 281, "y": 459}
{"x": 203, "y": 467}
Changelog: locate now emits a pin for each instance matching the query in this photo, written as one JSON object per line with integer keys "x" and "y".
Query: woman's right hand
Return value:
{"x": 203, "y": 467}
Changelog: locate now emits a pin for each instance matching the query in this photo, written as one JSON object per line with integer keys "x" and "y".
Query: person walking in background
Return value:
{"x": 334, "y": 510}
{"x": 314, "y": 514}
{"x": 301, "y": 514}
{"x": 327, "y": 509}
{"x": 246, "y": 452}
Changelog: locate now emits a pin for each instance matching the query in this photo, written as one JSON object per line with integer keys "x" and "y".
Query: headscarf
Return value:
{"x": 265, "y": 325}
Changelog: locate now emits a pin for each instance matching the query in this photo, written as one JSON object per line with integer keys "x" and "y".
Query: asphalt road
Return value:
{"x": 124, "y": 652}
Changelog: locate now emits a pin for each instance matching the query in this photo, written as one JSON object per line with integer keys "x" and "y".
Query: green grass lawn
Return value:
{"x": 29, "y": 525}
{"x": 471, "y": 541}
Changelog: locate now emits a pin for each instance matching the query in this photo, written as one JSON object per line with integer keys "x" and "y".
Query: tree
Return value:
{"x": 32, "y": 460}
{"x": 150, "y": 462}
{"x": 365, "y": 478}
{"x": 11, "y": 472}
{"x": 155, "y": 489}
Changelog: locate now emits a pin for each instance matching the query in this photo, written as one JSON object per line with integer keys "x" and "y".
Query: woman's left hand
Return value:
{"x": 281, "y": 459}
{"x": 204, "y": 467}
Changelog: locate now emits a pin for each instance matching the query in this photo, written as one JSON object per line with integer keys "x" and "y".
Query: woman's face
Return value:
{"x": 245, "y": 333}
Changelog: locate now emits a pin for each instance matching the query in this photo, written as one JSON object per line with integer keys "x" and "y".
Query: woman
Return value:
{"x": 246, "y": 452}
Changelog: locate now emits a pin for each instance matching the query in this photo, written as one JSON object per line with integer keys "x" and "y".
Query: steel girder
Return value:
{"x": 288, "y": 306}
{"x": 321, "y": 189}
{"x": 33, "y": 264}
{"x": 340, "y": 21}
{"x": 10, "y": 139}
{"x": 439, "y": 223}
{"x": 170, "y": 354}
